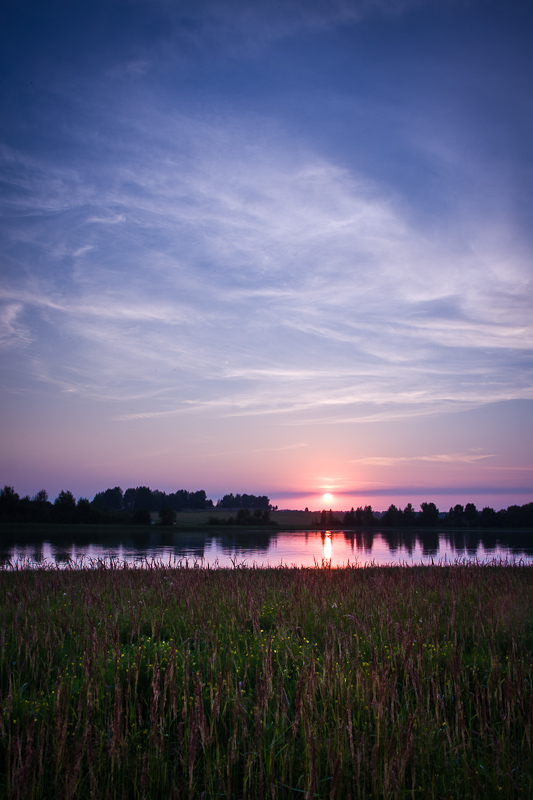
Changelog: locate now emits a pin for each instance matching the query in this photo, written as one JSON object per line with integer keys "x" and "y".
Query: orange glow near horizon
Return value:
{"x": 327, "y": 497}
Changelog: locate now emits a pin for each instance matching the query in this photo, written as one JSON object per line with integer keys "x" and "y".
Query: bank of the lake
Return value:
{"x": 328, "y": 683}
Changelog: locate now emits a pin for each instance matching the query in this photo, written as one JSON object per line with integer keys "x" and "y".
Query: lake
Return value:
{"x": 270, "y": 548}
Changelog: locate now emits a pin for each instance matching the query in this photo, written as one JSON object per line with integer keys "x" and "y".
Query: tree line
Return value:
{"x": 144, "y": 498}
{"x": 247, "y": 502}
{"x": 136, "y": 505}
{"x": 429, "y": 516}
{"x": 112, "y": 506}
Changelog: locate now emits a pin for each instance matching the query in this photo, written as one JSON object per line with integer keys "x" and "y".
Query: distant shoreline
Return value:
{"x": 41, "y": 531}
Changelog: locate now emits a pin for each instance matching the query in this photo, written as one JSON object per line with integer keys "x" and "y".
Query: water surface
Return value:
{"x": 289, "y": 548}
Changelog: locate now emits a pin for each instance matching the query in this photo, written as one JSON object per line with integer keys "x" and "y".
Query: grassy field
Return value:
{"x": 386, "y": 682}
{"x": 185, "y": 520}
{"x": 284, "y": 519}
{"x": 296, "y": 519}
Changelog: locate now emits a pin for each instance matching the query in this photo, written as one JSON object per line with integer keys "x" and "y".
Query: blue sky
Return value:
{"x": 269, "y": 248}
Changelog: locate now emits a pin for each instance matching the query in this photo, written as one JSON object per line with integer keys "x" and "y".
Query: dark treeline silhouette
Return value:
{"x": 64, "y": 509}
{"x": 458, "y": 517}
{"x": 136, "y": 506}
{"x": 143, "y": 498}
{"x": 244, "y": 501}
{"x": 113, "y": 506}
{"x": 110, "y": 507}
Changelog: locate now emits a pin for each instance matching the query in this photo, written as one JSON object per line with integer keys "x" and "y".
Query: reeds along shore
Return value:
{"x": 388, "y": 682}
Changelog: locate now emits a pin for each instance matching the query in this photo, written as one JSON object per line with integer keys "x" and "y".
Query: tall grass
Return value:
{"x": 387, "y": 682}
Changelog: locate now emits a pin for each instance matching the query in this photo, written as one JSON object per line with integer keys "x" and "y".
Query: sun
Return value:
{"x": 327, "y": 497}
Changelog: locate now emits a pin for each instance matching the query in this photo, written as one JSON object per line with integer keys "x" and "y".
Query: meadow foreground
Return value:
{"x": 388, "y": 682}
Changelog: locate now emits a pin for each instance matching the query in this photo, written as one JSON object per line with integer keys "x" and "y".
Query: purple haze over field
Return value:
{"x": 274, "y": 249}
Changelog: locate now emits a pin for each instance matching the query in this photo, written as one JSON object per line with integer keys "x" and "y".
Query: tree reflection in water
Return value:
{"x": 227, "y": 548}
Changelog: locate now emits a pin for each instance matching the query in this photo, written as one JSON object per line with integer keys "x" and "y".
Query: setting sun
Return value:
{"x": 327, "y": 497}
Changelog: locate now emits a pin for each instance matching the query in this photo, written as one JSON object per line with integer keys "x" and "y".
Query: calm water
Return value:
{"x": 303, "y": 548}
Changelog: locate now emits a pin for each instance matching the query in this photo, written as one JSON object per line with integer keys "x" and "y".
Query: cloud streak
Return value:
{"x": 441, "y": 458}
{"x": 310, "y": 256}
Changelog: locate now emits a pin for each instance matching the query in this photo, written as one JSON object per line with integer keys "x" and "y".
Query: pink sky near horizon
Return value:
{"x": 480, "y": 455}
{"x": 290, "y": 483}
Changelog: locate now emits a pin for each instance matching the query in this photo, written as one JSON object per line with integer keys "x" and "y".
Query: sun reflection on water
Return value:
{"x": 274, "y": 548}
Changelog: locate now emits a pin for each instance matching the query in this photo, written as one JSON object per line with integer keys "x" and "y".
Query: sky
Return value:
{"x": 279, "y": 248}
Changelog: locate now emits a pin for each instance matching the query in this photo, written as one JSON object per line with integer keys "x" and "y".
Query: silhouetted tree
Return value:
{"x": 84, "y": 511}
{"x": 65, "y": 501}
{"x": 456, "y": 516}
{"x": 197, "y": 500}
{"x": 429, "y": 516}
{"x": 488, "y": 518}
{"x": 329, "y": 520}
{"x": 471, "y": 515}
{"x": 144, "y": 497}
{"x": 64, "y": 507}
{"x": 111, "y": 498}
{"x": 9, "y": 502}
{"x": 349, "y": 519}
{"x": 393, "y": 517}
{"x": 250, "y": 501}
{"x": 368, "y": 516}
{"x": 138, "y": 499}
{"x": 158, "y": 500}
{"x": 128, "y": 501}
{"x": 409, "y": 515}
{"x": 517, "y": 516}
{"x": 359, "y": 517}
{"x": 178, "y": 500}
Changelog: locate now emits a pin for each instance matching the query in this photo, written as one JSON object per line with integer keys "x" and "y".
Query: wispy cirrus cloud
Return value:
{"x": 113, "y": 219}
{"x": 439, "y": 458}
{"x": 12, "y": 331}
{"x": 245, "y": 275}
{"x": 310, "y": 257}
{"x": 236, "y": 27}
